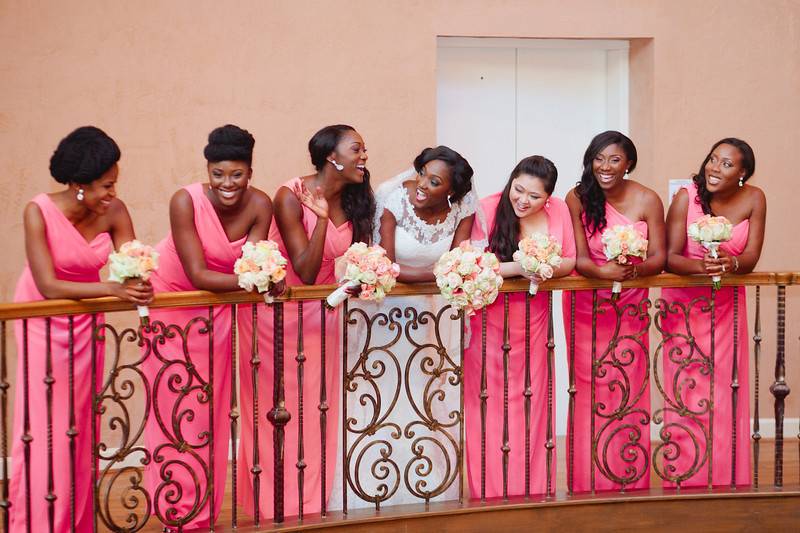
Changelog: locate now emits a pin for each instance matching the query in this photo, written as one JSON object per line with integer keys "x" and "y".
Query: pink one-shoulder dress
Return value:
{"x": 696, "y": 435}
{"x": 560, "y": 227}
{"x": 179, "y": 375}
{"x": 74, "y": 259}
{"x": 320, "y": 413}
{"x": 608, "y": 435}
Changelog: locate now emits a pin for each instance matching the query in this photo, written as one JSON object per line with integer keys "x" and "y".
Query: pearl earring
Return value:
{"x": 547, "y": 203}
{"x": 741, "y": 182}
{"x": 337, "y": 165}
{"x": 80, "y": 196}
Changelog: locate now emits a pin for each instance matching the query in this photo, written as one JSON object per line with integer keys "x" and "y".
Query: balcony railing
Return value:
{"x": 127, "y": 398}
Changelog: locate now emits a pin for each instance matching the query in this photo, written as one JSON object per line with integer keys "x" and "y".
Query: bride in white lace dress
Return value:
{"x": 403, "y": 367}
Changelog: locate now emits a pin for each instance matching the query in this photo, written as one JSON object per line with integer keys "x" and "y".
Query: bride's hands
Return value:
{"x": 315, "y": 201}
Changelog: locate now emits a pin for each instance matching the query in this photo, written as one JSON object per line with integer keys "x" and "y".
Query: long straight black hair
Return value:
{"x": 588, "y": 191}
{"x": 748, "y": 162}
{"x": 358, "y": 200}
{"x": 504, "y": 235}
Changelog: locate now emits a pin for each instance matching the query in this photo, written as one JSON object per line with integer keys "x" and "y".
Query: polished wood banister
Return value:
{"x": 10, "y": 311}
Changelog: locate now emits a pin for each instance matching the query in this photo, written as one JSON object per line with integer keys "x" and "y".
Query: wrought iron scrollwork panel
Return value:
{"x": 620, "y": 379}
{"x": 407, "y": 384}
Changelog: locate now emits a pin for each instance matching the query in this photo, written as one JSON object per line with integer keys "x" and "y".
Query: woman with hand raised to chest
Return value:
{"x": 68, "y": 237}
{"x": 720, "y": 188}
{"x": 608, "y": 435}
{"x": 318, "y": 217}
{"x": 210, "y": 222}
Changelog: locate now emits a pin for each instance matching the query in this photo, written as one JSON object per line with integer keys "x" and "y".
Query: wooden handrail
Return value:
{"x": 11, "y": 311}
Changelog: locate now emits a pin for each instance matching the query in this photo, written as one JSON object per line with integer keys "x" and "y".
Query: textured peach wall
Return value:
{"x": 159, "y": 75}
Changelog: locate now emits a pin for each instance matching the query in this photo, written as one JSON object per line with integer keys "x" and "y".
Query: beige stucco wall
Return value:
{"x": 159, "y": 75}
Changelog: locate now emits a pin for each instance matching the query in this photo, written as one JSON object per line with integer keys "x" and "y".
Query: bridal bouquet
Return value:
{"x": 710, "y": 232}
{"x": 538, "y": 254}
{"x": 133, "y": 260}
{"x": 261, "y": 266}
{"x": 468, "y": 278}
{"x": 367, "y": 267}
{"x": 620, "y": 244}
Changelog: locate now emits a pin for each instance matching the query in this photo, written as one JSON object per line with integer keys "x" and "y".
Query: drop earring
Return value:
{"x": 547, "y": 203}
{"x": 741, "y": 182}
{"x": 79, "y": 196}
{"x": 337, "y": 165}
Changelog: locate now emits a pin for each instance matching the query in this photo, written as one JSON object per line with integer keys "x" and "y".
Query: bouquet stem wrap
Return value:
{"x": 339, "y": 295}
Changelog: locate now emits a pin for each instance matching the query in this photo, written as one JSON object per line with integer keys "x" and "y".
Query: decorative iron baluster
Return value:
{"x": 255, "y": 470}
{"x": 779, "y": 389}
{"x": 460, "y": 375}
{"x": 323, "y": 407}
{"x": 757, "y": 382}
{"x": 278, "y": 416}
{"x": 5, "y": 505}
{"x": 72, "y": 432}
{"x": 551, "y": 345}
{"x": 483, "y": 396}
{"x": 571, "y": 391}
{"x": 734, "y": 384}
{"x": 300, "y": 359}
{"x": 506, "y": 449}
{"x": 48, "y": 380}
{"x": 527, "y": 393}
{"x": 233, "y": 415}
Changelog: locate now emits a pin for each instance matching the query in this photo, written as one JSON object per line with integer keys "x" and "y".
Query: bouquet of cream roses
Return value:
{"x": 538, "y": 254}
{"x": 710, "y": 232}
{"x": 261, "y": 266}
{"x": 133, "y": 260}
{"x": 367, "y": 267}
{"x": 468, "y": 278}
{"x": 620, "y": 244}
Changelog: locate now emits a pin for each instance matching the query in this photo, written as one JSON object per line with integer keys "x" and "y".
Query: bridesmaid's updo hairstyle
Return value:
{"x": 504, "y": 236}
{"x": 592, "y": 197}
{"x": 358, "y": 201}
{"x": 83, "y": 156}
{"x": 229, "y": 143}
{"x": 461, "y": 180}
{"x": 748, "y": 163}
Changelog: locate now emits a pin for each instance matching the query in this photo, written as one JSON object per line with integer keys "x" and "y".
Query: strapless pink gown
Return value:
{"x": 560, "y": 227}
{"x": 611, "y": 441}
{"x": 190, "y": 446}
{"x": 696, "y": 427}
{"x": 338, "y": 239}
{"x": 74, "y": 259}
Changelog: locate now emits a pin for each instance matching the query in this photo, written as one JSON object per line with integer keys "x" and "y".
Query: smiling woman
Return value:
{"x": 210, "y": 222}
{"x": 68, "y": 236}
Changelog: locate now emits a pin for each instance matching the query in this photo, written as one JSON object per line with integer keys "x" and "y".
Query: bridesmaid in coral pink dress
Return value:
{"x": 523, "y": 208}
{"x": 318, "y": 217}
{"x": 720, "y": 189}
{"x": 68, "y": 236}
{"x": 608, "y": 445}
{"x": 209, "y": 224}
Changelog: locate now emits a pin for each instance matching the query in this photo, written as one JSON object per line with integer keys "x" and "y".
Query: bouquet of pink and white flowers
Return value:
{"x": 620, "y": 244}
{"x": 133, "y": 260}
{"x": 260, "y": 267}
{"x": 468, "y": 278}
{"x": 710, "y": 232}
{"x": 367, "y": 267}
{"x": 538, "y": 254}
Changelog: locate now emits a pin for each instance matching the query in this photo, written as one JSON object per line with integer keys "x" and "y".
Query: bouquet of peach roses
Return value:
{"x": 261, "y": 266}
{"x": 468, "y": 278}
{"x": 710, "y": 232}
{"x": 133, "y": 260}
{"x": 538, "y": 254}
{"x": 620, "y": 244}
{"x": 369, "y": 268}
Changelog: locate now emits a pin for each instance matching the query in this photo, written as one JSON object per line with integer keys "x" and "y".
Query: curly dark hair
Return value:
{"x": 588, "y": 191}
{"x": 461, "y": 180}
{"x": 748, "y": 162}
{"x": 229, "y": 143}
{"x": 504, "y": 235}
{"x": 358, "y": 200}
{"x": 83, "y": 156}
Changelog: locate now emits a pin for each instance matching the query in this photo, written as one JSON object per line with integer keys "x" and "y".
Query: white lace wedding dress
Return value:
{"x": 403, "y": 380}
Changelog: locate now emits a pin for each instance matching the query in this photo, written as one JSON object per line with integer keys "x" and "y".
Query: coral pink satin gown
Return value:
{"x": 337, "y": 240}
{"x": 560, "y": 227}
{"x": 74, "y": 259}
{"x": 611, "y": 449}
{"x": 176, "y": 452}
{"x": 697, "y": 427}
